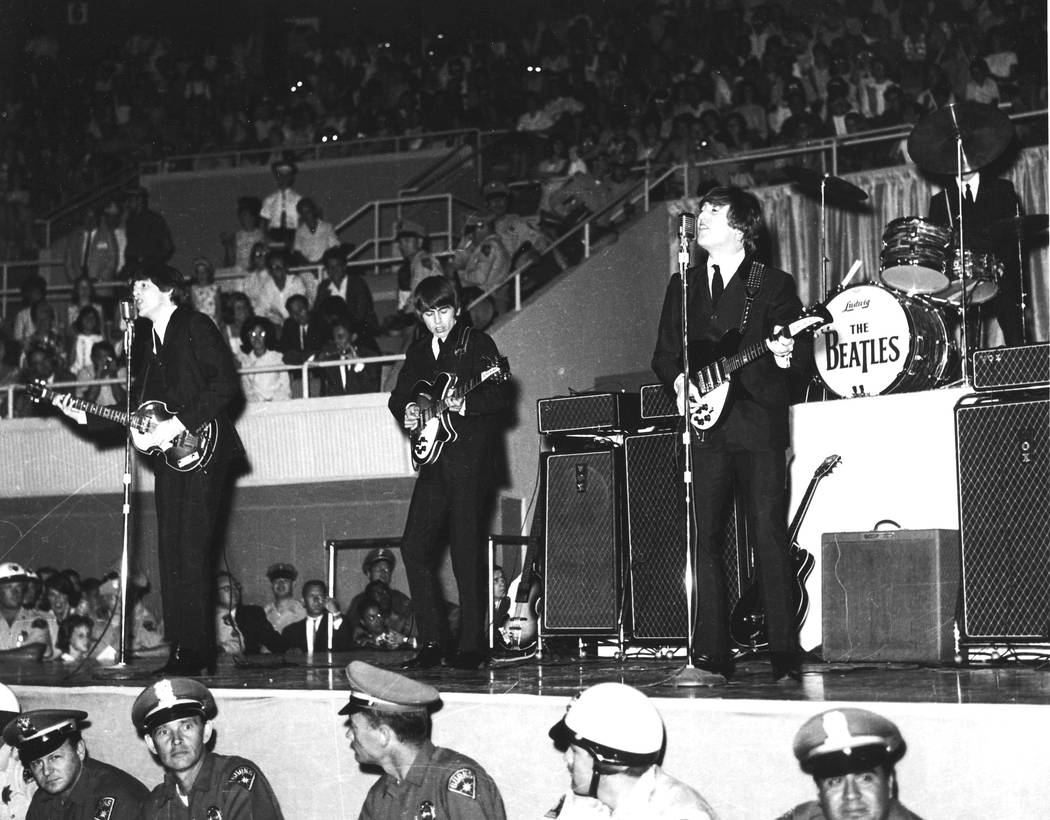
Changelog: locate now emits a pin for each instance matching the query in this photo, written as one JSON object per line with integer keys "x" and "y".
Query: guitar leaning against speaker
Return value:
{"x": 747, "y": 624}
{"x": 517, "y": 633}
{"x": 190, "y": 450}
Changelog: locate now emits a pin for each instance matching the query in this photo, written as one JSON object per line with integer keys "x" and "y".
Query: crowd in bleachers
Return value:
{"x": 665, "y": 80}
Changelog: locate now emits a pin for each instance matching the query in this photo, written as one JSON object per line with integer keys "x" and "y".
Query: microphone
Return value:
{"x": 687, "y": 226}
{"x": 127, "y": 310}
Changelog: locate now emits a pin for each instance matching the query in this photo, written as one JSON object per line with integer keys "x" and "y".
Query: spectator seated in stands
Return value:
{"x": 33, "y": 290}
{"x": 241, "y": 629}
{"x": 349, "y": 286}
{"x": 90, "y": 599}
{"x": 23, "y": 634}
{"x": 523, "y": 238}
{"x": 149, "y": 239}
{"x": 314, "y": 236}
{"x": 481, "y": 261}
{"x": 311, "y": 634}
{"x": 378, "y": 566}
{"x": 259, "y": 348}
{"x": 46, "y": 332}
{"x": 269, "y": 288}
{"x": 83, "y": 295}
{"x": 285, "y": 608}
{"x": 982, "y": 88}
{"x": 87, "y": 332}
{"x": 375, "y": 629}
{"x": 147, "y": 630}
{"x": 303, "y": 335}
{"x": 75, "y": 640}
{"x": 348, "y": 378}
{"x": 204, "y": 290}
{"x": 62, "y": 598}
{"x": 238, "y": 246}
{"x": 279, "y": 210}
{"x": 9, "y": 370}
{"x": 43, "y": 364}
{"x": 236, "y": 309}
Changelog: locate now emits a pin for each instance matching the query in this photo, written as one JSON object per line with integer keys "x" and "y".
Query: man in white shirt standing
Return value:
{"x": 279, "y": 210}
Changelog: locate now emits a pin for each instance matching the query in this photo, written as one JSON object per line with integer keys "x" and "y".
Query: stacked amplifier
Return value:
{"x": 613, "y": 500}
{"x": 1002, "y": 435}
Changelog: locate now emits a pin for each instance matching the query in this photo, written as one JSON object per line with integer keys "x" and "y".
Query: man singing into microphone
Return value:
{"x": 181, "y": 359}
{"x": 730, "y": 289}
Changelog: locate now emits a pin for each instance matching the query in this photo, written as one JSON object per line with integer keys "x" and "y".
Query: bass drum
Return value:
{"x": 881, "y": 342}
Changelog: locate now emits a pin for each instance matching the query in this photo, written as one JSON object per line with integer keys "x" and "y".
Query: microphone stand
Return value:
{"x": 688, "y": 675}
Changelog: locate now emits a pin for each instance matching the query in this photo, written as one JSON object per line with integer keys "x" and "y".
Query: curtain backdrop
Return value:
{"x": 793, "y": 218}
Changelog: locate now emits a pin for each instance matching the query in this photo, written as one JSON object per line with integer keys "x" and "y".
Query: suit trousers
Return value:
{"x": 188, "y": 509}
{"x": 759, "y": 478}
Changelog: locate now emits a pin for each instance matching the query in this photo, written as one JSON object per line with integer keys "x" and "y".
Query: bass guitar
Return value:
{"x": 434, "y": 429}
{"x": 747, "y": 625}
{"x": 722, "y": 359}
{"x": 516, "y": 633}
{"x": 190, "y": 450}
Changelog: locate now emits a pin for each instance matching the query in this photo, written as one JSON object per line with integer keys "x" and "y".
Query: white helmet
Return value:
{"x": 10, "y": 571}
{"x": 9, "y": 708}
{"x": 616, "y": 723}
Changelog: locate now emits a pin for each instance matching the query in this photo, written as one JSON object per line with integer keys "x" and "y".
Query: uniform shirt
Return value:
{"x": 281, "y": 202}
{"x": 813, "y": 811}
{"x": 442, "y": 784}
{"x": 657, "y": 794}
{"x": 15, "y": 789}
{"x": 226, "y": 787}
{"x": 102, "y": 792}
{"x": 288, "y": 612}
{"x": 27, "y": 627}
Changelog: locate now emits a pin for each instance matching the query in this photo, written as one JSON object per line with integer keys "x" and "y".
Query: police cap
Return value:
{"x": 9, "y": 707}
{"x": 495, "y": 188}
{"x": 170, "y": 699}
{"x": 280, "y": 570}
{"x": 847, "y": 740}
{"x": 41, "y": 731}
{"x": 406, "y": 227}
{"x": 378, "y": 554}
{"x": 381, "y": 690}
{"x": 283, "y": 167}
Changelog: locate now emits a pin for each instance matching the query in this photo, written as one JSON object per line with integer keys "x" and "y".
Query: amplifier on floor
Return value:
{"x": 890, "y": 595}
{"x": 658, "y": 404}
{"x": 1012, "y": 368}
{"x": 587, "y": 412}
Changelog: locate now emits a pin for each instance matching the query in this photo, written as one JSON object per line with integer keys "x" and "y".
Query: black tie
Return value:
{"x": 716, "y": 284}
{"x": 968, "y": 197}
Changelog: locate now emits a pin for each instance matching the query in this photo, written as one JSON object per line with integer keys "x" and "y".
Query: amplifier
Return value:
{"x": 657, "y": 403}
{"x": 1012, "y": 368}
{"x": 586, "y": 412}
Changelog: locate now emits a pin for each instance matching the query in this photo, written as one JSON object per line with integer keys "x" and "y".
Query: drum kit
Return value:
{"x": 908, "y": 331}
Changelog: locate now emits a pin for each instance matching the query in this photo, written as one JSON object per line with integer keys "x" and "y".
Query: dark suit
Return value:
{"x": 256, "y": 630}
{"x": 456, "y": 489}
{"x": 194, "y": 374}
{"x": 345, "y": 380}
{"x": 996, "y": 199}
{"x": 295, "y": 348}
{"x": 359, "y": 303}
{"x": 745, "y": 449}
{"x": 294, "y": 636}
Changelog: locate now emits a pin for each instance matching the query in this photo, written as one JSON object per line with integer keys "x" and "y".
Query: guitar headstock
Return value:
{"x": 497, "y": 369}
{"x": 37, "y": 390}
{"x": 827, "y": 466}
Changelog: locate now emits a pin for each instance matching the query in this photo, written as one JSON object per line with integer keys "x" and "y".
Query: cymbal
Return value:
{"x": 985, "y": 133}
{"x": 1013, "y": 226}
{"x": 834, "y": 187}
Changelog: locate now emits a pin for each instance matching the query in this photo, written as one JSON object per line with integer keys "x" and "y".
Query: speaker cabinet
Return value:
{"x": 583, "y": 577}
{"x": 656, "y": 539}
{"x": 889, "y": 595}
{"x": 1004, "y": 517}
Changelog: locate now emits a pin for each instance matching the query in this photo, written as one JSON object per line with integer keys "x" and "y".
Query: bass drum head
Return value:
{"x": 880, "y": 342}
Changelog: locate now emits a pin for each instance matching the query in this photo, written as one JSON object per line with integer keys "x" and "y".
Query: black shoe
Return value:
{"x": 787, "y": 667}
{"x": 726, "y": 666}
{"x": 427, "y": 657}
{"x": 471, "y": 660}
{"x": 187, "y": 663}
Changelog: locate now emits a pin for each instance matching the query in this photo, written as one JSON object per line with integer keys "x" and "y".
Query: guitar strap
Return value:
{"x": 751, "y": 288}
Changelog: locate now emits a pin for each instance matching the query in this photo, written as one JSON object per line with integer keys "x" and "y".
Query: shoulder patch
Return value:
{"x": 463, "y": 781}
{"x": 243, "y": 776}
{"x": 213, "y": 813}
{"x": 104, "y": 808}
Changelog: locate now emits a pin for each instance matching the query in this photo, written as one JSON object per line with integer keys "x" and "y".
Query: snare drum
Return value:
{"x": 881, "y": 342}
{"x": 983, "y": 272}
{"x": 914, "y": 254}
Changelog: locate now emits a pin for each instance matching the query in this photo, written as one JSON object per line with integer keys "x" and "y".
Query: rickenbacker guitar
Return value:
{"x": 747, "y": 625}
{"x": 516, "y": 634}
{"x": 722, "y": 359}
{"x": 434, "y": 428}
{"x": 189, "y": 451}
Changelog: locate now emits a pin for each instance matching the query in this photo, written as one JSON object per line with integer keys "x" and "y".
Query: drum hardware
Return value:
{"x": 1018, "y": 228}
{"x": 825, "y": 185}
{"x": 913, "y": 256}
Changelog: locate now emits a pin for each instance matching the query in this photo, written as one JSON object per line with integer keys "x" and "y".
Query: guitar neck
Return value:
{"x": 108, "y": 413}
{"x": 803, "y": 508}
{"x": 457, "y": 392}
{"x": 745, "y": 356}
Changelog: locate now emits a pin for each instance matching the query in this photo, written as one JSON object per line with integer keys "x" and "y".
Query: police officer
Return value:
{"x": 613, "y": 737}
{"x": 71, "y": 785}
{"x": 15, "y": 790}
{"x": 851, "y": 754}
{"x": 174, "y": 717}
{"x": 389, "y": 727}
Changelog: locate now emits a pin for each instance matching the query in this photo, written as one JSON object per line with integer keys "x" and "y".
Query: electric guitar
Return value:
{"x": 434, "y": 429}
{"x": 747, "y": 625}
{"x": 190, "y": 450}
{"x": 722, "y": 359}
{"x": 517, "y": 632}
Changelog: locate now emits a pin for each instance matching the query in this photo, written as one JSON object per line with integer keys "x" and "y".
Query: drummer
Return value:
{"x": 986, "y": 200}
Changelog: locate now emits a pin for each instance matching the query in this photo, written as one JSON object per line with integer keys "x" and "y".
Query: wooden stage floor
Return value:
{"x": 1005, "y": 683}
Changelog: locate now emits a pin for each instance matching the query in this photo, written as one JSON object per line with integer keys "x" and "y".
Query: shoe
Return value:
{"x": 724, "y": 667}
{"x": 470, "y": 660}
{"x": 427, "y": 657}
{"x": 187, "y": 663}
{"x": 787, "y": 667}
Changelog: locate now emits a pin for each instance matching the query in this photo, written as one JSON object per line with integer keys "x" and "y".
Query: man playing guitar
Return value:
{"x": 745, "y": 449}
{"x": 456, "y": 486}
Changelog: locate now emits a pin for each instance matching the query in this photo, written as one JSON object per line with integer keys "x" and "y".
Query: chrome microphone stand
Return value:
{"x": 127, "y": 315}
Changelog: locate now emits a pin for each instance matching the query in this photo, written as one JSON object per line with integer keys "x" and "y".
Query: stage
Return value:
{"x": 976, "y": 735}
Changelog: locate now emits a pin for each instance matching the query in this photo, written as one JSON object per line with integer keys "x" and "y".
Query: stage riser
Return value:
{"x": 723, "y": 748}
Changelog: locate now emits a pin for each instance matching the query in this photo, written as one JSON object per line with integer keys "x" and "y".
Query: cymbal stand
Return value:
{"x": 963, "y": 273}
{"x": 824, "y": 261}
{"x": 1020, "y": 276}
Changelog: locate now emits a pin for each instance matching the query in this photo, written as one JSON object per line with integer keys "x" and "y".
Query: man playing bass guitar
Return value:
{"x": 456, "y": 486}
{"x": 729, "y": 290}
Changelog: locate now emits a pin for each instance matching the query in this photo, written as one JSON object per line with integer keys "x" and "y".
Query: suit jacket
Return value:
{"x": 100, "y": 261}
{"x": 257, "y": 630}
{"x": 359, "y": 303}
{"x": 996, "y": 199}
{"x": 294, "y": 636}
{"x": 297, "y": 350}
{"x": 757, "y": 416}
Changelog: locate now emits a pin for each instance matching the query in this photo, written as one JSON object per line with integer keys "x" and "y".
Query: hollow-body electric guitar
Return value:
{"x": 434, "y": 428}
{"x": 190, "y": 450}
{"x": 723, "y": 358}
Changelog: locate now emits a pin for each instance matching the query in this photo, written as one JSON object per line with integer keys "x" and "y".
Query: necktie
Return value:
{"x": 87, "y": 251}
{"x": 716, "y": 284}
{"x": 968, "y": 197}
{"x": 284, "y": 215}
